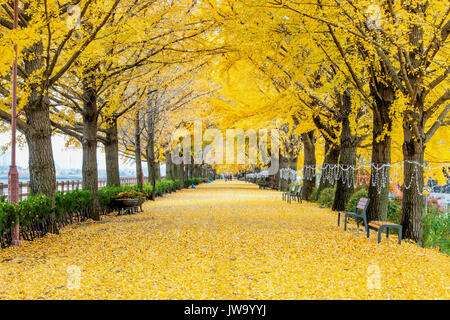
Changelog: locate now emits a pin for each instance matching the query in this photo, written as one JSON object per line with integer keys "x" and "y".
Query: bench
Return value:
{"x": 263, "y": 185}
{"x": 362, "y": 205}
{"x": 286, "y": 194}
{"x": 297, "y": 195}
{"x": 381, "y": 225}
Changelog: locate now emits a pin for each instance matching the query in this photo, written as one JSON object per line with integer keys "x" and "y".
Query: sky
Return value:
{"x": 65, "y": 158}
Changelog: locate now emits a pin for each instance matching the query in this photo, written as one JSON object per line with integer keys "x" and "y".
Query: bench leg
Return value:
{"x": 339, "y": 218}
{"x": 366, "y": 226}
{"x": 400, "y": 235}
{"x": 379, "y": 234}
{"x": 387, "y": 232}
{"x": 345, "y": 223}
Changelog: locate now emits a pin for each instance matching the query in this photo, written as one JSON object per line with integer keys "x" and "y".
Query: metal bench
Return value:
{"x": 297, "y": 195}
{"x": 286, "y": 194}
{"x": 381, "y": 225}
{"x": 362, "y": 206}
{"x": 263, "y": 185}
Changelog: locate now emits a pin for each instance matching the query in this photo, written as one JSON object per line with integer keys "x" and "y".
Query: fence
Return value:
{"x": 63, "y": 186}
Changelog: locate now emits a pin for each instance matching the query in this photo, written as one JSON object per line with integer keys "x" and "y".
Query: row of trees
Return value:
{"x": 356, "y": 76}
{"x": 92, "y": 69}
{"x": 344, "y": 81}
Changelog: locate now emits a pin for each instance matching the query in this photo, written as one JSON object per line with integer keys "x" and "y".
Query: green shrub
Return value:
{"x": 147, "y": 190}
{"x": 313, "y": 195}
{"x": 71, "y": 202}
{"x": 8, "y": 215}
{"x": 395, "y": 211}
{"x": 436, "y": 229}
{"x": 39, "y": 208}
{"x": 326, "y": 197}
{"x": 35, "y": 208}
{"x": 195, "y": 181}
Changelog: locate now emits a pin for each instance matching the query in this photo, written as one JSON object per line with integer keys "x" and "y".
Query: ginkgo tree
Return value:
{"x": 404, "y": 45}
{"x": 388, "y": 57}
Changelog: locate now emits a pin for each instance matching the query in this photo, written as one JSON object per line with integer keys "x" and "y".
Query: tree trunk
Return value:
{"x": 329, "y": 162}
{"x": 151, "y": 177}
{"x": 137, "y": 152}
{"x": 169, "y": 172}
{"x": 309, "y": 164}
{"x": 41, "y": 163}
{"x": 180, "y": 171}
{"x": 151, "y": 153}
{"x": 196, "y": 171}
{"x": 174, "y": 171}
{"x": 414, "y": 139}
{"x": 112, "y": 153}
{"x": 381, "y": 153}
{"x": 347, "y": 157}
{"x": 293, "y": 160}
{"x": 40, "y": 153}
{"x": 284, "y": 183}
{"x": 413, "y": 201}
{"x": 157, "y": 171}
{"x": 276, "y": 178}
{"x": 89, "y": 142}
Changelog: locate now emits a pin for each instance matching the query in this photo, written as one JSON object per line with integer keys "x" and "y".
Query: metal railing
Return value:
{"x": 63, "y": 186}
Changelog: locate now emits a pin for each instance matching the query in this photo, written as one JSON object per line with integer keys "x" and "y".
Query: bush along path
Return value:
{"x": 221, "y": 241}
{"x": 34, "y": 212}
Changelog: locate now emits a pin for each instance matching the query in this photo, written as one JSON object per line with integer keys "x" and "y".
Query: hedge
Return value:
{"x": 34, "y": 213}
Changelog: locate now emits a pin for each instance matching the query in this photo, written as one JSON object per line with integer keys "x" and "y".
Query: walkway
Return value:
{"x": 221, "y": 241}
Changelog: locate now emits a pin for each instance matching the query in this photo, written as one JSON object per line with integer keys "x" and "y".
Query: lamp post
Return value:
{"x": 13, "y": 176}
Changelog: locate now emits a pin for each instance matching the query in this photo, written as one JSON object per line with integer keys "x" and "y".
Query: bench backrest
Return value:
{"x": 294, "y": 188}
{"x": 362, "y": 205}
{"x": 299, "y": 191}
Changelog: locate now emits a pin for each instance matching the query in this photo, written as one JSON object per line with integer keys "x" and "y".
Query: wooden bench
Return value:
{"x": 381, "y": 225}
{"x": 362, "y": 205}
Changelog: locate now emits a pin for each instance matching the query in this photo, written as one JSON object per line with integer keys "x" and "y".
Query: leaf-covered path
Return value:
{"x": 221, "y": 241}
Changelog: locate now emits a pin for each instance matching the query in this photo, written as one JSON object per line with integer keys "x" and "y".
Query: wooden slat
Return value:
{"x": 362, "y": 203}
{"x": 379, "y": 224}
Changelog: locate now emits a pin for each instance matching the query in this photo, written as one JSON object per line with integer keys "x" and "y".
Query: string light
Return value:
{"x": 381, "y": 174}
